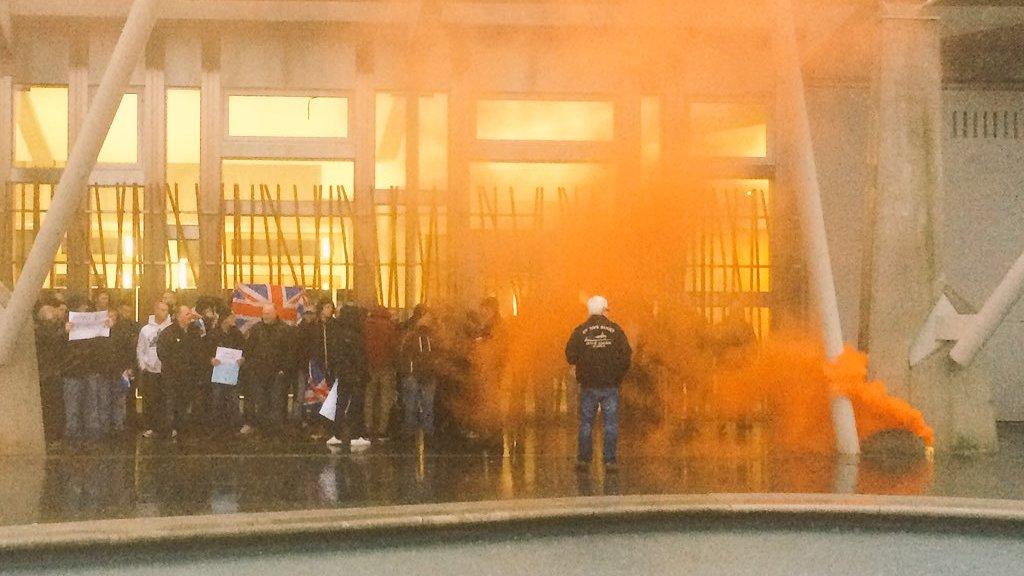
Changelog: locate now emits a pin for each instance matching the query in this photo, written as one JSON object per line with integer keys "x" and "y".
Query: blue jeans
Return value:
{"x": 418, "y": 404}
{"x": 608, "y": 400}
{"x": 81, "y": 408}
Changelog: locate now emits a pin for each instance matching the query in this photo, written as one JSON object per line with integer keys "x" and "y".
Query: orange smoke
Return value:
{"x": 874, "y": 408}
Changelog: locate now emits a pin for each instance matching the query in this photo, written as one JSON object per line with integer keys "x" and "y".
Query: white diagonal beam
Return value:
{"x": 73, "y": 184}
{"x": 812, "y": 219}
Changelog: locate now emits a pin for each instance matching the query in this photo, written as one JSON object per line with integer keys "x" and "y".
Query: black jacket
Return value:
{"x": 346, "y": 350}
{"x": 178, "y": 350}
{"x": 119, "y": 349}
{"x": 417, "y": 356}
{"x": 51, "y": 350}
{"x": 269, "y": 349}
{"x": 600, "y": 351}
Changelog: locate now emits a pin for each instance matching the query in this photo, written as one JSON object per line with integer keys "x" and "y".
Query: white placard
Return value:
{"x": 86, "y": 325}
{"x": 227, "y": 371}
{"x": 331, "y": 403}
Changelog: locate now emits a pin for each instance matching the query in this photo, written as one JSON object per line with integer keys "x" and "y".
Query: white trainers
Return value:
{"x": 174, "y": 433}
{"x": 334, "y": 441}
{"x": 147, "y": 434}
{"x": 245, "y": 430}
{"x": 359, "y": 443}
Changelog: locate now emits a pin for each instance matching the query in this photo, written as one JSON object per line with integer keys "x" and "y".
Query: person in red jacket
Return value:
{"x": 381, "y": 344}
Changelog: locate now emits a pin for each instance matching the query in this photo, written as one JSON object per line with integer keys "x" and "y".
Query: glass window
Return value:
{"x": 434, "y": 142}
{"x": 729, "y": 130}
{"x": 391, "y": 141}
{"x": 545, "y": 120}
{"x": 122, "y": 143}
{"x": 183, "y": 127}
{"x": 41, "y": 127}
{"x": 291, "y": 223}
{"x": 510, "y": 195}
{"x": 650, "y": 131}
{"x": 288, "y": 116}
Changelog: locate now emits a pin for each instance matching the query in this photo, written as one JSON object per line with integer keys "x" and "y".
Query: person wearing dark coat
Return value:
{"x": 601, "y": 355}
{"x": 417, "y": 370}
{"x": 82, "y": 390}
{"x": 118, "y": 355}
{"x": 224, "y": 414}
{"x": 347, "y": 364}
{"x": 51, "y": 345}
{"x": 270, "y": 360}
{"x": 177, "y": 348}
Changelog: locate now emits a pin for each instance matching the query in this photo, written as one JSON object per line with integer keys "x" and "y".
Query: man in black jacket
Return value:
{"x": 600, "y": 353}
{"x": 178, "y": 347}
{"x": 269, "y": 359}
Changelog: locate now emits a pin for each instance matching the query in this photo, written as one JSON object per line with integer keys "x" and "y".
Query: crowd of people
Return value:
{"x": 388, "y": 373}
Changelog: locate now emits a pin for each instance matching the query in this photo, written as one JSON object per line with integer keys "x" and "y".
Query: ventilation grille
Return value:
{"x": 991, "y": 124}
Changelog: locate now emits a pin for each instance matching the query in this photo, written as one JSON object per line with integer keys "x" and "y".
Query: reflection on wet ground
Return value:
{"x": 186, "y": 478}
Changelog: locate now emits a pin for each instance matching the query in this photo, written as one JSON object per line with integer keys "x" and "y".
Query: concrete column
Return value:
{"x": 211, "y": 218}
{"x": 21, "y": 413}
{"x": 412, "y": 196}
{"x": 461, "y": 133}
{"x": 6, "y": 155}
{"x": 154, "y": 247}
{"x": 364, "y": 194}
{"x": 77, "y": 236}
{"x": 906, "y": 268}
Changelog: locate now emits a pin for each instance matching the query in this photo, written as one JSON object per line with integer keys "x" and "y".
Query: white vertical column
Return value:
{"x": 211, "y": 135}
{"x": 154, "y": 158}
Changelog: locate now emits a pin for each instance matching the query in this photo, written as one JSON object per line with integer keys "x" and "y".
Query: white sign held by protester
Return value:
{"x": 87, "y": 325}
{"x": 227, "y": 371}
{"x": 331, "y": 403}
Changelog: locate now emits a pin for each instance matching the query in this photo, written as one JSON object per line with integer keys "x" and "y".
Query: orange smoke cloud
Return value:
{"x": 874, "y": 408}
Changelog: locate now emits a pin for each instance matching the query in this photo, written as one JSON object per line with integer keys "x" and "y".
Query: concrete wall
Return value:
{"x": 984, "y": 209}
{"x": 984, "y": 213}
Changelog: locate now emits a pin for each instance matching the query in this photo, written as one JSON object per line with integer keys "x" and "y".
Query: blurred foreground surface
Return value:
{"x": 194, "y": 477}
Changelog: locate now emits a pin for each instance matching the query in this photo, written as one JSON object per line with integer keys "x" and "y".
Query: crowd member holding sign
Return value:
{"x": 269, "y": 363}
{"x": 51, "y": 345}
{"x": 153, "y": 397}
{"x": 224, "y": 415}
{"x": 82, "y": 421}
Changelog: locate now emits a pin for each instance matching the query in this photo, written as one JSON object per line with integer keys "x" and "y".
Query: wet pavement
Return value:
{"x": 145, "y": 478}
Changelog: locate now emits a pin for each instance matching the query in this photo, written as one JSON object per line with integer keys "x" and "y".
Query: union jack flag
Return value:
{"x": 318, "y": 389}
{"x": 249, "y": 299}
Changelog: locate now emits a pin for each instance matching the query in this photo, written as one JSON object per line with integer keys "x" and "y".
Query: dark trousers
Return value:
{"x": 164, "y": 403}
{"x": 348, "y": 414}
{"x": 51, "y": 389}
{"x": 224, "y": 414}
{"x": 153, "y": 407}
{"x": 590, "y": 400}
{"x": 269, "y": 393}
